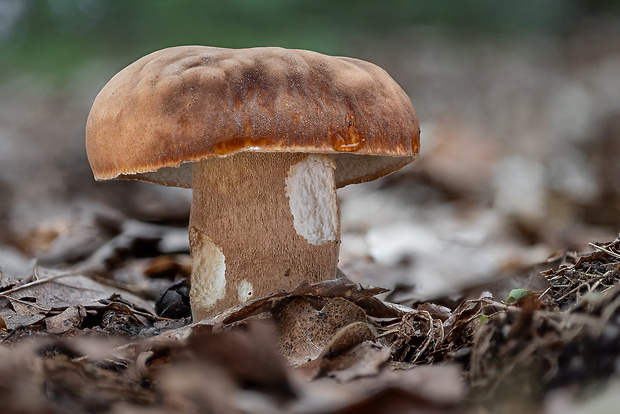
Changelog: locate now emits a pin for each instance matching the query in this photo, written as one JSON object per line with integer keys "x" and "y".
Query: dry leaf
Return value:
{"x": 307, "y": 325}
{"x": 16, "y": 313}
{"x": 70, "y": 318}
{"x": 422, "y": 389}
{"x": 362, "y": 360}
{"x": 56, "y": 289}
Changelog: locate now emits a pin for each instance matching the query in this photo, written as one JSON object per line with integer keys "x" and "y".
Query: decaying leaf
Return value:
{"x": 46, "y": 377}
{"x": 433, "y": 333}
{"x": 55, "y": 289}
{"x": 361, "y": 360}
{"x": 16, "y": 313}
{"x": 70, "y": 318}
{"x": 55, "y": 292}
{"x": 306, "y": 326}
{"x": 419, "y": 389}
{"x": 331, "y": 347}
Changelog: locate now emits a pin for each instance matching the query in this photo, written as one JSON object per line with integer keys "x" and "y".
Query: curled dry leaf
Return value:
{"x": 70, "y": 318}
{"x": 341, "y": 287}
{"x": 307, "y": 325}
{"x": 347, "y": 337}
{"x": 334, "y": 355}
{"x": 415, "y": 335}
{"x": 436, "y": 311}
{"x": 361, "y": 360}
{"x": 433, "y": 333}
{"x": 269, "y": 305}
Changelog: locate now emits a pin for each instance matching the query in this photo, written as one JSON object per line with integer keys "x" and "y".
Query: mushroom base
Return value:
{"x": 260, "y": 223}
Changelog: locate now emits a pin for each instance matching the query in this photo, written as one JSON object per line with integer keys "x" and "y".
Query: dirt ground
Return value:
{"x": 482, "y": 278}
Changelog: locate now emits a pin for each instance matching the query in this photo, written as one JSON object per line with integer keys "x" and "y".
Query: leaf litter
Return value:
{"x": 128, "y": 345}
{"x": 84, "y": 343}
{"x": 111, "y": 332}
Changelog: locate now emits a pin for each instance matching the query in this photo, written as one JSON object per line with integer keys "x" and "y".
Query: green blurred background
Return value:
{"x": 53, "y": 38}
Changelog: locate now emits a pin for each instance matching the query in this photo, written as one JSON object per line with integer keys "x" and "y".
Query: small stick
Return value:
{"x": 36, "y": 282}
{"x": 35, "y": 271}
{"x": 609, "y": 252}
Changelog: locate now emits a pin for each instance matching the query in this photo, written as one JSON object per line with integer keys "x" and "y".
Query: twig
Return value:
{"x": 609, "y": 252}
{"x": 577, "y": 289}
{"x": 545, "y": 292}
{"x": 36, "y": 282}
{"x": 26, "y": 303}
{"x": 35, "y": 269}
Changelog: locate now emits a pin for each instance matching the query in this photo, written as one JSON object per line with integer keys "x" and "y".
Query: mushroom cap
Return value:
{"x": 184, "y": 104}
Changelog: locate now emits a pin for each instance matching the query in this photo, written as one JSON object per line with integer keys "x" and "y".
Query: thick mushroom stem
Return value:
{"x": 260, "y": 223}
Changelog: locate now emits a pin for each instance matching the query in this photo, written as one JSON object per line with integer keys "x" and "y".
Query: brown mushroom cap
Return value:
{"x": 189, "y": 103}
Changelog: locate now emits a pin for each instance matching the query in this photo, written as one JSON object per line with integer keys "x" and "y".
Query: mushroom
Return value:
{"x": 263, "y": 136}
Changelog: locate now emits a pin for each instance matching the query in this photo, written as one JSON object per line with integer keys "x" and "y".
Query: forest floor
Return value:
{"x": 483, "y": 278}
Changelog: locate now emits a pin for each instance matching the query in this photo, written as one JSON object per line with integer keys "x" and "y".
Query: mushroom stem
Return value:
{"x": 260, "y": 223}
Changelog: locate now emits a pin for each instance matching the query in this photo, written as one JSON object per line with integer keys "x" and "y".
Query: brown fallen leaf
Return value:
{"x": 340, "y": 287}
{"x": 334, "y": 354}
{"x": 420, "y": 389}
{"x": 70, "y": 318}
{"x": 192, "y": 388}
{"x": 57, "y": 289}
{"x": 250, "y": 357}
{"x": 361, "y": 360}
{"x": 20, "y": 382}
{"x": 307, "y": 325}
{"x": 87, "y": 388}
{"x": 271, "y": 304}
{"x": 17, "y": 313}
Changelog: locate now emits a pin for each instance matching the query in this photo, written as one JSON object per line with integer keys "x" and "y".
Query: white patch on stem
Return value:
{"x": 312, "y": 198}
{"x": 208, "y": 275}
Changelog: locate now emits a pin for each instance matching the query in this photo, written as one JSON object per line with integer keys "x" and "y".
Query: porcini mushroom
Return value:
{"x": 263, "y": 136}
